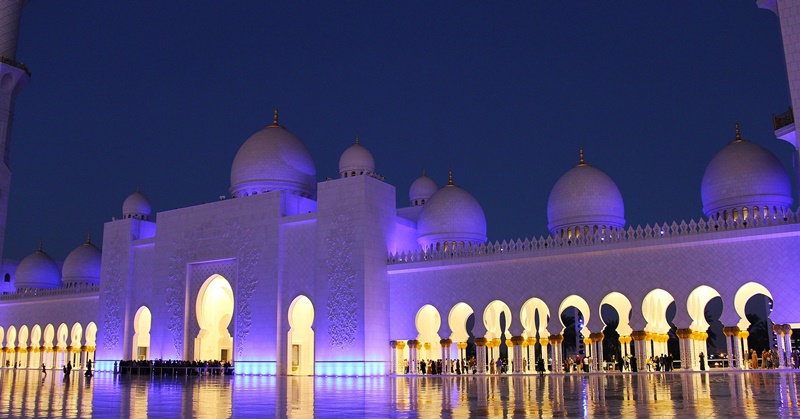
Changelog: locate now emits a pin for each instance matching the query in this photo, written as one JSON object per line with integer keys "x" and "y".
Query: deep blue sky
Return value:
{"x": 162, "y": 94}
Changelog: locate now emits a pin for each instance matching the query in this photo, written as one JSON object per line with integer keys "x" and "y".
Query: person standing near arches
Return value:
{"x": 44, "y": 369}
{"x": 702, "y": 361}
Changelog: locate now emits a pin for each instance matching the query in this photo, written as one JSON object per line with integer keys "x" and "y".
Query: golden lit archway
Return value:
{"x": 142, "y": 322}
{"x": 214, "y": 309}
{"x": 301, "y": 337}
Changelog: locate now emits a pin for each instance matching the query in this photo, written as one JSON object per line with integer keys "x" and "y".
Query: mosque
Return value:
{"x": 289, "y": 275}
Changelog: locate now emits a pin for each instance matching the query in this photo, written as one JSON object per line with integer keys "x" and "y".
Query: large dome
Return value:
{"x": 356, "y": 160}
{"x": 744, "y": 175}
{"x": 422, "y": 189}
{"x": 37, "y": 270}
{"x": 451, "y": 215}
{"x": 585, "y": 197}
{"x": 136, "y": 205}
{"x": 82, "y": 265}
{"x": 273, "y": 159}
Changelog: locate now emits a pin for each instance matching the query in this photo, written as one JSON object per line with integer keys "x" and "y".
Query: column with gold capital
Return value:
{"x": 413, "y": 363}
{"x": 516, "y": 341}
{"x": 685, "y": 344}
{"x": 640, "y": 348}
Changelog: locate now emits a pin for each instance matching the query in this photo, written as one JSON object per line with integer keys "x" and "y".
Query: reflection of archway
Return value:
{"x": 428, "y": 322}
{"x": 301, "y": 337}
{"x": 214, "y": 312}
{"x": 142, "y": 322}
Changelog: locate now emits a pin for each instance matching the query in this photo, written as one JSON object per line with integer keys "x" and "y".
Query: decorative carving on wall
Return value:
{"x": 210, "y": 241}
{"x": 111, "y": 296}
{"x": 342, "y": 302}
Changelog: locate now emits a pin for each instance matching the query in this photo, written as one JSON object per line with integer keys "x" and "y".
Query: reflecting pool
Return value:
{"x": 718, "y": 394}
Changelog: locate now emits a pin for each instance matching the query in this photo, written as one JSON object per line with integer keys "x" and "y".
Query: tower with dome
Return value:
{"x": 294, "y": 275}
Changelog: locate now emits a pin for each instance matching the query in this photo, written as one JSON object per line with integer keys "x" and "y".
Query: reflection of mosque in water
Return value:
{"x": 297, "y": 277}
{"x": 753, "y": 395}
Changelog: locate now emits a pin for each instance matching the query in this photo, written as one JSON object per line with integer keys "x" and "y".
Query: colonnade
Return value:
{"x": 641, "y": 343}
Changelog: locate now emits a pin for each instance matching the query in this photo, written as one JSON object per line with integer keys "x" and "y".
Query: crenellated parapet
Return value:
{"x": 543, "y": 244}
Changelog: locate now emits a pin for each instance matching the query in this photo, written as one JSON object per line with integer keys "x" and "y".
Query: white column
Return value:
{"x": 788, "y": 348}
{"x": 480, "y": 355}
{"x": 413, "y": 365}
{"x": 392, "y": 357}
{"x": 640, "y": 348}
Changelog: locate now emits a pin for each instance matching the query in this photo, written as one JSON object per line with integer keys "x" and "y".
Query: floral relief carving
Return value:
{"x": 111, "y": 296}
{"x": 342, "y": 302}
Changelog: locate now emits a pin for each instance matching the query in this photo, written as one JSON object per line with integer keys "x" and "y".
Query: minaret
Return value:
{"x": 13, "y": 77}
{"x": 788, "y": 12}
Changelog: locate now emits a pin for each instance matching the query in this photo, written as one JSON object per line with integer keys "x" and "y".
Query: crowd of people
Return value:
{"x": 174, "y": 367}
{"x": 460, "y": 366}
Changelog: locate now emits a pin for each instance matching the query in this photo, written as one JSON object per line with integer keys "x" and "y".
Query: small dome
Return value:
{"x": 451, "y": 215}
{"x": 356, "y": 160}
{"x": 83, "y": 265}
{"x": 37, "y": 270}
{"x": 585, "y": 197}
{"x": 273, "y": 159}
{"x": 137, "y": 206}
{"x": 421, "y": 190}
{"x": 744, "y": 175}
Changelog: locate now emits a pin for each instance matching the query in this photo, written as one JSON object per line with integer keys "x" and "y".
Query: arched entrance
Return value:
{"x": 214, "y": 313}
{"x": 142, "y": 322}
{"x": 301, "y": 337}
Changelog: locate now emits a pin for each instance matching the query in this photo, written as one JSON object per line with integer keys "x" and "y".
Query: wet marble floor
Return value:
{"x": 714, "y": 394}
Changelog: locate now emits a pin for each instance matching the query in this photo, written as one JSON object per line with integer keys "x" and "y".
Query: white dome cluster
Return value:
{"x": 38, "y": 270}
{"x": 585, "y": 201}
{"x": 273, "y": 159}
{"x": 451, "y": 218}
{"x": 744, "y": 179}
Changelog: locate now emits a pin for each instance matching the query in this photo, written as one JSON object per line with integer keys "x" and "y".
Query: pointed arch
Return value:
{"x": 428, "y": 321}
{"x": 654, "y": 310}
{"x": 579, "y": 303}
{"x": 623, "y": 305}
{"x": 214, "y": 308}
{"x": 301, "y": 336}
{"x": 527, "y": 316}
{"x": 457, "y": 320}
{"x": 142, "y": 322}
{"x": 745, "y": 293}
{"x": 696, "y": 305}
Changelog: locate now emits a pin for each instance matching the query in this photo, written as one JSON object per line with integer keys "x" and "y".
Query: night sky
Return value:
{"x": 162, "y": 94}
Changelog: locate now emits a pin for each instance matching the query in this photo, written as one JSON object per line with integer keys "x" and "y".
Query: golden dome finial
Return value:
{"x": 580, "y": 153}
{"x": 275, "y": 118}
{"x": 138, "y": 189}
{"x": 450, "y": 178}
{"x": 423, "y": 173}
{"x": 738, "y": 134}
{"x": 40, "y": 247}
{"x": 356, "y": 138}
{"x": 89, "y": 238}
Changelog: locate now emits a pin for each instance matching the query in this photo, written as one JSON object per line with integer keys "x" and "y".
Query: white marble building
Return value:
{"x": 294, "y": 276}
